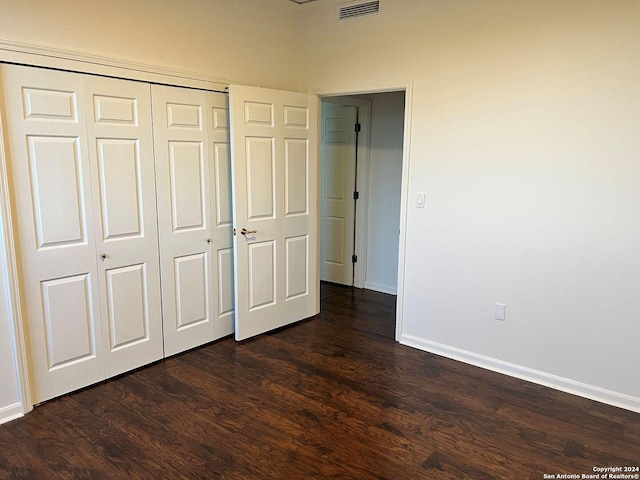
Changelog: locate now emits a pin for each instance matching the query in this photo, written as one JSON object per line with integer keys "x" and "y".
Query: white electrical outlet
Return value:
{"x": 501, "y": 311}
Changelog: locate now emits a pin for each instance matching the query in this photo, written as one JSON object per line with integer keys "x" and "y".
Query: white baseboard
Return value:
{"x": 380, "y": 287}
{"x": 11, "y": 412}
{"x": 542, "y": 378}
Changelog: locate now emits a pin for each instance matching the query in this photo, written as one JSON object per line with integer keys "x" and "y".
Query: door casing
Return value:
{"x": 337, "y": 90}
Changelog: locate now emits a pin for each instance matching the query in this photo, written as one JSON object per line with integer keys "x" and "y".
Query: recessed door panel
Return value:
{"x": 50, "y": 105}
{"x": 56, "y": 186}
{"x": 187, "y": 185}
{"x": 119, "y": 166}
{"x": 296, "y": 117}
{"x": 262, "y": 274}
{"x": 336, "y": 125}
{"x": 222, "y": 163}
{"x": 335, "y": 172}
{"x": 297, "y": 263}
{"x": 69, "y": 320}
{"x": 260, "y": 177}
{"x": 116, "y": 110}
{"x": 220, "y": 120}
{"x": 334, "y": 240}
{"x": 296, "y": 178}
{"x": 192, "y": 287}
{"x": 127, "y": 306}
{"x": 184, "y": 115}
{"x": 257, "y": 113}
{"x": 225, "y": 283}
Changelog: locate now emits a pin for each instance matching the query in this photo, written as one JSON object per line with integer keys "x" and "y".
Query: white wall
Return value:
{"x": 251, "y": 41}
{"x": 385, "y": 181}
{"x": 525, "y": 135}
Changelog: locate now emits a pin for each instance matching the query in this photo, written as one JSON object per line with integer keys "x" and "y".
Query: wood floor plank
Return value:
{"x": 333, "y": 397}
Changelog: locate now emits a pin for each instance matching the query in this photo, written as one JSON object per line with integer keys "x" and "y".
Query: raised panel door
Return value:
{"x": 183, "y": 173}
{"x": 49, "y": 162}
{"x": 275, "y": 175}
{"x": 337, "y": 211}
{"x": 121, "y": 150}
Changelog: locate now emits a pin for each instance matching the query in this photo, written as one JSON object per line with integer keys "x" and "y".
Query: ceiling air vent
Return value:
{"x": 359, "y": 9}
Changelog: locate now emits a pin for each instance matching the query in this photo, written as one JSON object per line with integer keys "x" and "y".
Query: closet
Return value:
{"x": 81, "y": 158}
{"x": 125, "y": 196}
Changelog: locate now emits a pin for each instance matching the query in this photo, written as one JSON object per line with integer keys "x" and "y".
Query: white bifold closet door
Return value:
{"x": 81, "y": 159}
{"x": 124, "y": 208}
{"x": 194, "y": 215}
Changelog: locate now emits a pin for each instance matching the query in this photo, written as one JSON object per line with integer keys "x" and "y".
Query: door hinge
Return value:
{"x": 356, "y": 195}
{"x": 358, "y": 127}
{"x": 354, "y": 258}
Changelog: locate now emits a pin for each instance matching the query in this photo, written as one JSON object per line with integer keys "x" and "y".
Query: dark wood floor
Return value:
{"x": 331, "y": 397}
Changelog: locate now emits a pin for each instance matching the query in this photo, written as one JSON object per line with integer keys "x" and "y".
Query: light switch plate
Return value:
{"x": 420, "y": 199}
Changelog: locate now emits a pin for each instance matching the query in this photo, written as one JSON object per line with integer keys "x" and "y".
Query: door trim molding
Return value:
{"x": 362, "y": 181}
{"x": 41, "y": 56}
{"x": 10, "y": 270}
{"x": 380, "y": 87}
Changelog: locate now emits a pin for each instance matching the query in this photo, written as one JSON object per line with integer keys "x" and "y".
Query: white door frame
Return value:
{"x": 362, "y": 182}
{"x": 407, "y": 86}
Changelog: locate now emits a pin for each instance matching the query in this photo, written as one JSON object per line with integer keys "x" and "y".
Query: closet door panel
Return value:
{"x": 121, "y": 150}
{"x": 222, "y": 208}
{"x": 51, "y": 189}
{"x": 184, "y": 216}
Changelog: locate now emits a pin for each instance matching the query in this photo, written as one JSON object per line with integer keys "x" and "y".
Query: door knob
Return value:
{"x": 208, "y": 240}
{"x": 103, "y": 256}
{"x": 244, "y": 231}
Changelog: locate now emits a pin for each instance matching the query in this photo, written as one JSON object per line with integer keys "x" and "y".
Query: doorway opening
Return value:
{"x": 362, "y": 152}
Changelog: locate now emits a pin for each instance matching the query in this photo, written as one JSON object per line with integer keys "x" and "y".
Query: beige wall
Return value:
{"x": 525, "y": 136}
{"x": 251, "y": 41}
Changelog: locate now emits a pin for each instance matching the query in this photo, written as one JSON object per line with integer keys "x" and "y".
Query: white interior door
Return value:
{"x": 338, "y": 167}
{"x": 52, "y": 197}
{"x": 275, "y": 180}
{"x": 194, "y": 215}
{"x": 184, "y": 199}
{"x": 124, "y": 199}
